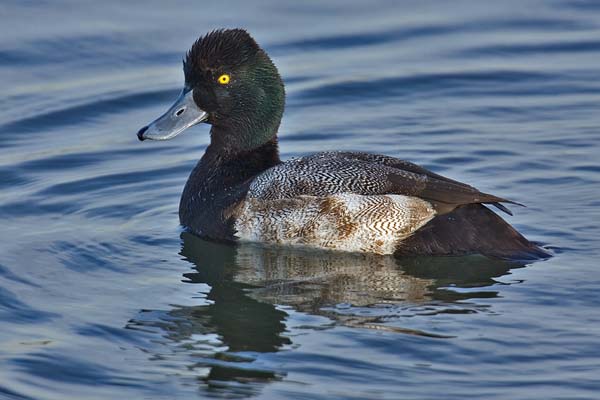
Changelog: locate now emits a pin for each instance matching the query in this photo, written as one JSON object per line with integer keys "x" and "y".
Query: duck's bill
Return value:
{"x": 183, "y": 114}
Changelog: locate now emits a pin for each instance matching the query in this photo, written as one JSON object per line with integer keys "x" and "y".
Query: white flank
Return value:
{"x": 346, "y": 222}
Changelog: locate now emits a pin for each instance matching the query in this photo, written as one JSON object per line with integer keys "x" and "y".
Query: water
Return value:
{"x": 102, "y": 296}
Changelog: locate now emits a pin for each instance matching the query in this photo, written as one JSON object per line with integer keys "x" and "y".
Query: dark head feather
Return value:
{"x": 246, "y": 112}
{"x": 220, "y": 48}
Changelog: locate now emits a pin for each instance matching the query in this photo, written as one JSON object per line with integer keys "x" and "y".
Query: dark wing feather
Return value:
{"x": 443, "y": 194}
{"x": 328, "y": 173}
{"x": 417, "y": 169}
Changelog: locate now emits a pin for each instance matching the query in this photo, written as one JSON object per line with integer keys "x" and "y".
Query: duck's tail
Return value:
{"x": 469, "y": 229}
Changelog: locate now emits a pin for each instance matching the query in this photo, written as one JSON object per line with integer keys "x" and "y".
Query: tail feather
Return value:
{"x": 470, "y": 229}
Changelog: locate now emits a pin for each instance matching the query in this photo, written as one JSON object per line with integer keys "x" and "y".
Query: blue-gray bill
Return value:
{"x": 182, "y": 114}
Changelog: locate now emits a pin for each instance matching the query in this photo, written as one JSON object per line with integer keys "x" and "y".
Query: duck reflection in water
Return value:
{"x": 250, "y": 285}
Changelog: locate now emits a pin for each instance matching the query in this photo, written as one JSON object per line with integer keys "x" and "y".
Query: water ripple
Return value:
{"x": 421, "y": 85}
{"x": 78, "y": 114}
{"x": 14, "y": 310}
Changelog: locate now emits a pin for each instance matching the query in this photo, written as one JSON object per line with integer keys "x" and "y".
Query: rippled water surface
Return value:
{"x": 102, "y": 296}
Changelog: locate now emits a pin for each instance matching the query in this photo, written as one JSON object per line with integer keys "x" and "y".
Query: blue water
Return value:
{"x": 103, "y": 297}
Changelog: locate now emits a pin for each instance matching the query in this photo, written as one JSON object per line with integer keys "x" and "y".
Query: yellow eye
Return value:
{"x": 224, "y": 79}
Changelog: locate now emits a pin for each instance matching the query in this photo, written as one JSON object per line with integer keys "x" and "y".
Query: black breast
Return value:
{"x": 217, "y": 184}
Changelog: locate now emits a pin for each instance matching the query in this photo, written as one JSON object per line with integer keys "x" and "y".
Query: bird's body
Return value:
{"x": 349, "y": 201}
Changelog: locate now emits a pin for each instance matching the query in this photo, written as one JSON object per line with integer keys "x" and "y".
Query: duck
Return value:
{"x": 241, "y": 191}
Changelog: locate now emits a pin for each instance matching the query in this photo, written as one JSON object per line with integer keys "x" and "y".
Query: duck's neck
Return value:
{"x": 218, "y": 182}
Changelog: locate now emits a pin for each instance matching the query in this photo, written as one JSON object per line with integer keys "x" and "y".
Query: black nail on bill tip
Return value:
{"x": 140, "y": 133}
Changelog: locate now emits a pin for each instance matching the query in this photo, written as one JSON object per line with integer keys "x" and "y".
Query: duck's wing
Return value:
{"x": 397, "y": 163}
{"x": 325, "y": 174}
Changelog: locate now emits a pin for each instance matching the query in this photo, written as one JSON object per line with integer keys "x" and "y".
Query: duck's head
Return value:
{"x": 230, "y": 83}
